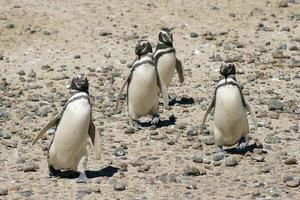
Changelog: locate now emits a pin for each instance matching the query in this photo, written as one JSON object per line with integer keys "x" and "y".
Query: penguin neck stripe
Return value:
{"x": 75, "y": 99}
{"x": 161, "y": 52}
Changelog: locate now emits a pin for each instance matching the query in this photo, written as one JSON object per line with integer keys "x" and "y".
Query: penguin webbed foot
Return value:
{"x": 54, "y": 172}
{"x": 82, "y": 178}
{"x": 242, "y": 145}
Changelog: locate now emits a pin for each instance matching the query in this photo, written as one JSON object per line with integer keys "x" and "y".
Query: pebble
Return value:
{"x": 6, "y": 135}
{"x": 272, "y": 139}
{"x": 275, "y": 105}
{"x": 192, "y": 131}
{"x": 30, "y": 167}
{"x": 218, "y": 157}
{"x": 171, "y": 142}
{"x": 197, "y": 159}
{"x": 83, "y": 191}
{"x": 26, "y": 193}
{"x": 119, "y": 186}
{"x": 258, "y": 158}
{"x": 119, "y": 152}
{"x": 290, "y": 161}
{"x": 191, "y": 171}
{"x": 230, "y": 161}
{"x": 3, "y": 191}
{"x": 209, "y": 140}
{"x": 158, "y": 137}
{"x": 194, "y": 35}
{"x": 283, "y": 4}
{"x": 129, "y": 130}
{"x": 293, "y": 183}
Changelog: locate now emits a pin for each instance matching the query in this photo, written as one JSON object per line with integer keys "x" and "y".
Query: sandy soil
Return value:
{"x": 44, "y": 43}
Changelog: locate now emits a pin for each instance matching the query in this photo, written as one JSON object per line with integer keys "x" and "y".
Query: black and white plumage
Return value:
{"x": 74, "y": 124}
{"x": 165, "y": 58}
{"x": 143, "y": 85}
{"x": 230, "y": 118}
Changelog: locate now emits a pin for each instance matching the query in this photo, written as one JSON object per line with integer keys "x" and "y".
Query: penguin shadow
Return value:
{"x": 161, "y": 123}
{"x": 241, "y": 151}
{"x": 182, "y": 101}
{"x": 108, "y": 171}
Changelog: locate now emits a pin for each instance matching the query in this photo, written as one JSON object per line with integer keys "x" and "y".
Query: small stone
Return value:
{"x": 77, "y": 56}
{"x": 129, "y": 130}
{"x": 287, "y": 178}
{"x": 272, "y": 139}
{"x": 171, "y": 141}
{"x": 194, "y": 35}
{"x": 21, "y": 72}
{"x": 275, "y": 105}
{"x": 278, "y": 54}
{"x": 283, "y": 4}
{"x": 30, "y": 167}
{"x": 158, "y": 137}
{"x": 191, "y": 186}
{"x": 32, "y": 74}
{"x": 265, "y": 169}
{"x": 230, "y": 161}
{"x": 3, "y": 191}
{"x": 105, "y": 33}
{"x": 290, "y": 161}
{"x": 119, "y": 152}
{"x": 258, "y": 158}
{"x": 197, "y": 159}
{"x": 119, "y": 186}
{"x": 293, "y": 183}
{"x": 209, "y": 140}
{"x": 6, "y": 135}
{"x": 287, "y": 29}
{"x": 191, "y": 171}
{"x": 26, "y": 193}
{"x": 218, "y": 157}
{"x": 10, "y": 26}
{"x": 46, "y": 33}
{"x": 192, "y": 131}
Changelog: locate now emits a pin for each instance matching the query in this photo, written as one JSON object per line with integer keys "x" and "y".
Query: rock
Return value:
{"x": 129, "y": 130}
{"x": 83, "y": 191}
{"x": 191, "y": 171}
{"x": 287, "y": 29}
{"x": 230, "y": 161}
{"x": 143, "y": 168}
{"x": 171, "y": 142}
{"x": 26, "y": 193}
{"x": 258, "y": 158}
{"x": 158, "y": 137}
{"x": 197, "y": 159}
{"x": 218, "y": 157}
{"x": 192, "y": 131}
{"x": 275, "y": 105}
{"x": 77, "y": 56}
{"x": 21, "y": 72}
{"x": 6, "y": 135}
{"x": 105, "y": 33}
{"x": 290, "y": 161}
{"x": 209, "y": 140}
{"x": 293, "y": 183}
{"x": 119, "y": 186}
{"x": 287, "y": 178}
{"x": 194, "y": 35}
{"x": 30, "y": 167}
{"x": 283, "y": 4}
{"x": 119, "y": 152}
{"x": 272, "y": 139}
{"x": 278, "y": 54}
{"x": 32, "y": 74}
{"x": 10, "y": 26}
{"x": 3, "y": 191}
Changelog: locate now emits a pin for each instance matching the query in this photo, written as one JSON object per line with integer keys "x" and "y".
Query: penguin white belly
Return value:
{"x": 70, "y": 138}
{"x": 166, "y": 67}
{"x": 230, "y": 119}
{"x": 142, "y": 91}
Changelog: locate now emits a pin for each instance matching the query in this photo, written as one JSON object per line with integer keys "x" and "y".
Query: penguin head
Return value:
{"x": 166, "y": 37}
{"x": 143, "y": 47}
{"x": 227, "y": 69}
{"x": 80, "y": 83}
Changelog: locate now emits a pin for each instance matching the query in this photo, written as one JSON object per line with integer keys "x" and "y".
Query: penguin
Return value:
{"x": 165, "y": 58}
{"x": 67, "y": 150}
{"x": 143, "y": 86}
{"x": 230, "y": 117}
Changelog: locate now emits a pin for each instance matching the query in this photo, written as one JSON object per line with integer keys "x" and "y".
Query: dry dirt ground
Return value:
{"x": 44, "y": 43}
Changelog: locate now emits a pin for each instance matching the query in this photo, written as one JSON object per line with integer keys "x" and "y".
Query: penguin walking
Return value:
{"x": 67, "y": 150}
{"x": 230, "y": 118}
{"x": 143, "y": 85}
{"x": 165, "y": 58}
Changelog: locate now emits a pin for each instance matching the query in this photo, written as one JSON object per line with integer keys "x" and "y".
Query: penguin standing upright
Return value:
{"x": 143, "y": 85}
{"x": 230, "y": 118}
{"x": 67, "y": 151}
{"x": 165, "y": 58}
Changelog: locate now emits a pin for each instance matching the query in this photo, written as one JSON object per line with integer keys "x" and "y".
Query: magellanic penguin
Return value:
{"x": 165, "y": 58}
{"x": 67, "y": 150}
{"x": 143, "y": 85}
{"x": 230, "y": 118}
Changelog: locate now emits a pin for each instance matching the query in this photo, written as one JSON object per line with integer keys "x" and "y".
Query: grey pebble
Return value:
{"x": 30, "y": 167}
{"x": 275, "y": 105}
{"x": 119, "y": 152}
{"x": 192, "y": 131}
{"x": 3, "y": 191}
{"x": 194, "y": 35}
{"x": 197, "y": 159}
{"x": 230, "y": 161}
{"x": 290, "y": 161}
{"x": 272, "y": 139}
{"x": 118, "y": 186}
{"x": 26, "y": 193}
{"x": 129, "y": 130}
{"x": 208, "y": 140}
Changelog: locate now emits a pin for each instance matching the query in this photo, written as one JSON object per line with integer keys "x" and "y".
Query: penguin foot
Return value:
{"x": 242, "y": 144}
{"x": 82, "y": 178}
{"x": 220, "y": 154}
{"x": 53, "y": 172}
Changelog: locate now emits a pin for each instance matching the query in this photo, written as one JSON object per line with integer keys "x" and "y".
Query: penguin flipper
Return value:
{"x": 210, "y": 107}
{"x": 179, "y": 70}
{"x": 50, "y": 124}
{"x": 95, "y": 138}
{"x": 252, "y": 114}
{"x": 163, "y": 90}
{"x": 122, "y": 88}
